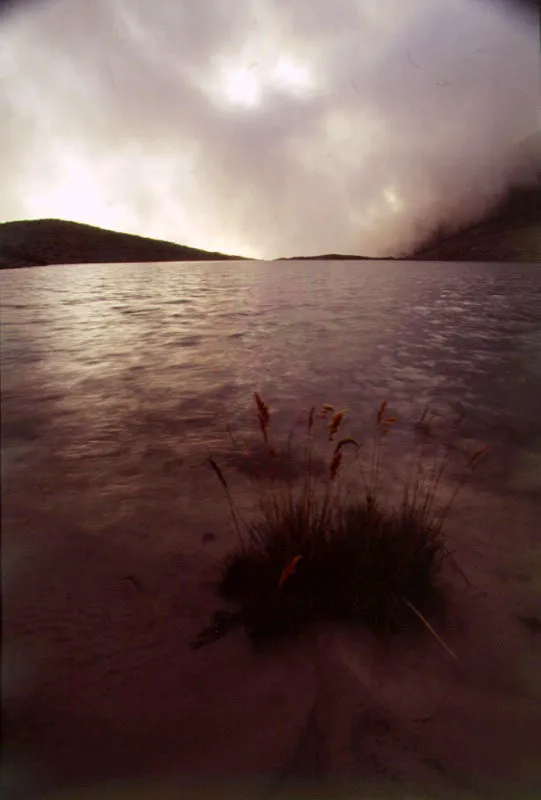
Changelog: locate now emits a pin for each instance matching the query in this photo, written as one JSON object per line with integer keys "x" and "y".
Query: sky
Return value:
{"x": 265, "y": 128}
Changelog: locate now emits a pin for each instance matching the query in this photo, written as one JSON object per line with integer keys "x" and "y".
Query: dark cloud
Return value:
{"x": 270, "y": 128}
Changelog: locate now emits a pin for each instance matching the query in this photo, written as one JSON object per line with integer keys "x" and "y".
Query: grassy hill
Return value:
{"x": 54, "y": 241}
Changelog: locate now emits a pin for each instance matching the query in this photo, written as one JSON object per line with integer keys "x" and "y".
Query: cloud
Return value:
{"x": 264, "y": 128}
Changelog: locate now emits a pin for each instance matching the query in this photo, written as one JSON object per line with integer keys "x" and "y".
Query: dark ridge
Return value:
{"x": 334, "y": 257}
{"x": 512, "y": 232}
{"x": 42, "y": 242}
{"x": 509, "y": 231}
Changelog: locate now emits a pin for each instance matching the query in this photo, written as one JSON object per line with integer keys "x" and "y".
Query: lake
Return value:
{"x": 111, "y": 372}
{"x": 117, "y": 378}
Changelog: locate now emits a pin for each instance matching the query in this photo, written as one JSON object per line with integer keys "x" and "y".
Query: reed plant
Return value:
{"x": 313, "y": 550}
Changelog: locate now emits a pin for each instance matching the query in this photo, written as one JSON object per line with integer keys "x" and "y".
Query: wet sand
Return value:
{"x": 101, "y": 682}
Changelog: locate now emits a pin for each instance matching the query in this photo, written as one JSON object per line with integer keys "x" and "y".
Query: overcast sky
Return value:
{"x": 263, "y": 127}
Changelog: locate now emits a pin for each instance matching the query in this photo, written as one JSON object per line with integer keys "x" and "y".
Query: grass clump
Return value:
{"x": 314, "y": 551}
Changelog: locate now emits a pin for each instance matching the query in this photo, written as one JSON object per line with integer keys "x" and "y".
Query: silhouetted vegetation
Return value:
{"x": 55, "y": 241}
{"x": 316, "y": 552}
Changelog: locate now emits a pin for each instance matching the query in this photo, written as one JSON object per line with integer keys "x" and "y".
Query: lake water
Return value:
{"x": 113, "y": 374}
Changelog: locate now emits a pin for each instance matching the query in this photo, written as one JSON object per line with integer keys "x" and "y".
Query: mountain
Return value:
{"x": 511, "y": 233}
{"x": 55, "y": 241}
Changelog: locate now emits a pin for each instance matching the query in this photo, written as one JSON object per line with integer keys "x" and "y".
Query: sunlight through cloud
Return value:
{"x": 274, "y": 128}
{"x": 242, "y": 87}
{"x": 392, "y": 199}
{"x": 292, "y": 77}
{"x": 75, "y": 191}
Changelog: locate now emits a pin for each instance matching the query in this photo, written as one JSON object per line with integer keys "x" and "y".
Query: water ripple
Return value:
{"x": 136, "y": 354}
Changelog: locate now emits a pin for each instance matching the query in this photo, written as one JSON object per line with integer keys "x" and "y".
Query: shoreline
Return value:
{"x": 111, "y": 680}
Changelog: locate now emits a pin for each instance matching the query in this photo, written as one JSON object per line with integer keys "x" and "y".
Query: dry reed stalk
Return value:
{"x": 476, "y": 457}
{"x": 335, "y": 423}
{"x": 335, "y": 464}
{"x": 381, "y": 430}
{"x": 311, "y": 419}
{"x": 263, "y": 415}
{"x": 288, "y": 571}
{"x": 472, "y": 462}
{"x": 262, "y": 410}
{"x": 346, "y": 440}
{"x": 326, "y": 409}
{"x": 379, "y": 415}
{"x": 429, "y": 627}
{"x": 218, "y": 472}
{"x": 263, "y": 428}
{"x": 221, "y": 477}
{"x": 234, "y": 441}
{"x": 385, "y": 425}
{"x": 262, "y": 407}
{"x": 291, "y": 434}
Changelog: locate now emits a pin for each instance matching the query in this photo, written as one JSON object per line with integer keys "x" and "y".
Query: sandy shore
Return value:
{"x": 101, "y": 683}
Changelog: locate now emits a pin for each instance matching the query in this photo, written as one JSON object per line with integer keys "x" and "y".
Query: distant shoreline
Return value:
{"x": 511, "y": 234}
{"x": 339, "y": 257}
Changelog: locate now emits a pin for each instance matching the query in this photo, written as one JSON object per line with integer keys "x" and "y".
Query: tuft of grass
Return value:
{"x": 313, "y": 551}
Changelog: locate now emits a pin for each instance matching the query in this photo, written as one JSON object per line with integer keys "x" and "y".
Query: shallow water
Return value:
{"x": 115, "y": 380}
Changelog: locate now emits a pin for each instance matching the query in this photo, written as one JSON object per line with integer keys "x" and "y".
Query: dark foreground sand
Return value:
{"x": 104, "y": 696}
